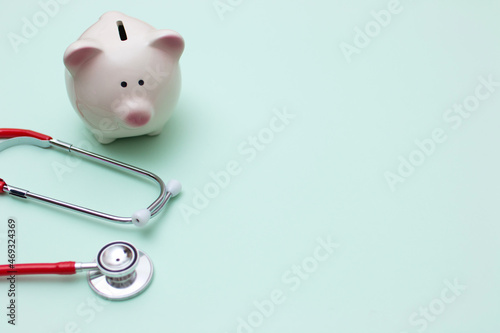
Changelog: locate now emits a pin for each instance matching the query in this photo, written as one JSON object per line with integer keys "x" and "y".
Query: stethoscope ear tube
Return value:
{"x": 139, "y": 218}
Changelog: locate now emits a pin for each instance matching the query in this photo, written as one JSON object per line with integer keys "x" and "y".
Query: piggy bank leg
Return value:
{"x": 155, "y": 132}
{"x": 100, "y": 137}
{"x": 103, "y": 140}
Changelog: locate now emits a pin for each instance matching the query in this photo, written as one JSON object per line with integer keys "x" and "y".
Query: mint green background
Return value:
{"x": 322, "y": 176}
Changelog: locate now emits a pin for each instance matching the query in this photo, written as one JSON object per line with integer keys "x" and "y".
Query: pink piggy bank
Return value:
{"x": 123, "y": 77}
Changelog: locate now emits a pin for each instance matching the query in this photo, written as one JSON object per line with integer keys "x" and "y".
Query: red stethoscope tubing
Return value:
{"x": 9, "y": 133}
{"x": 61, "y": 268}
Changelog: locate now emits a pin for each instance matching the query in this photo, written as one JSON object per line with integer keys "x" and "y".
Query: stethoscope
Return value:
{"x": 119, "y": 272}
{"x": 139, "y": 218}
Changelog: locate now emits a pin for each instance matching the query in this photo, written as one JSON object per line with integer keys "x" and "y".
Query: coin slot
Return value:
{"x": 121, "y": 30}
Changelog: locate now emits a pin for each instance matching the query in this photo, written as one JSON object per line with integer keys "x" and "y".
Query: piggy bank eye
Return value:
{"x": 124, "y": 84}
{"x": 141, "y": 82}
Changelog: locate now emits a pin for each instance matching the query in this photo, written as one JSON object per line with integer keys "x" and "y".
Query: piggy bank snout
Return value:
{"x": 138, "y": 118}
{"x": 134, "y": 112}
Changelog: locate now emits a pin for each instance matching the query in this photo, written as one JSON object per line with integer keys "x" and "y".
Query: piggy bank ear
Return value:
{"x": 79, "y": 53}
{"x": 168, "y": 41}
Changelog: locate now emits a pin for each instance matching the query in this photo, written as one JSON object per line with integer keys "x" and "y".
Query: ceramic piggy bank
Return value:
{"x": 123, "y": 76}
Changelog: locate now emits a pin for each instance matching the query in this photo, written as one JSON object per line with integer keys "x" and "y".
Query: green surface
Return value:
{"x": 361, "y": 110}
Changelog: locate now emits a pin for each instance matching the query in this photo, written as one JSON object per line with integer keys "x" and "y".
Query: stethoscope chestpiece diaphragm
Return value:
{"x": 117, "y": 259}
{"x": 124, "y": 272}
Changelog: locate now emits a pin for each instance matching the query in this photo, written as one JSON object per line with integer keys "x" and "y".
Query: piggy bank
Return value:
{"x": 123, "y": 77}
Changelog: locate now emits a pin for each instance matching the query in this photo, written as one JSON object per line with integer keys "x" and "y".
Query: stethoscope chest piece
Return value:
{"x": 124, "y": 272}
{"x": 119, "y": 272}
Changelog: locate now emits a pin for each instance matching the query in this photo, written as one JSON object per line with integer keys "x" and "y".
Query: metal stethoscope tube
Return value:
{"x": 139, "y": 218}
